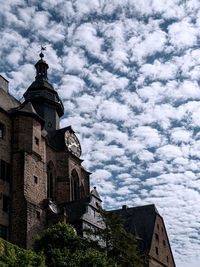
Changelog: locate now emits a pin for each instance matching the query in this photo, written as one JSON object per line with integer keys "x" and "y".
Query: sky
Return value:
{"x": 128, "y": 73}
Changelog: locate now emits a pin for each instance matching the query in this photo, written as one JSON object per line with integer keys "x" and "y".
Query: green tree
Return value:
{"x": 63, "y": 247}
{"x": 13, "y": 256}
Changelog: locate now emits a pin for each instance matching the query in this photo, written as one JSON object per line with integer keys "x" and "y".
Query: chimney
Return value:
{"x": 124, "y": 207}
{"x": 3, "y": 84}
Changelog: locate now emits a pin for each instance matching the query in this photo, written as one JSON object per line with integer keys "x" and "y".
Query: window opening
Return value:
{"x": 1, "y": 131}
{"x": 75, "y": 186}
{"x": 6, "y": 202}
{"x": 38, "y": 214}
{"x": 2, "y": 169}
{"x": 157, "y": 237}
{"x": 3, "y": 231}
{"x": 36, "y": 141}
{"x": 157, "y": 250}
{"x": 50, "y": 182}
{"x": 35, "y": 179}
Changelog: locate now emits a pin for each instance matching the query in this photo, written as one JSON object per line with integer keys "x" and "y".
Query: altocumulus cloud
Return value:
{"x": 128, "y": 73}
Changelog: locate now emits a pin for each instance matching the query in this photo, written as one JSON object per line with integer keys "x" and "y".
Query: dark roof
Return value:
{"x": 140, "y": 222}
{"x": 7, "y": 101}
{"x": 75, "y": 209}
{"x": 95, "y": 193}
{"x": 28, "y": 110}
{"x": 40, "y": 85}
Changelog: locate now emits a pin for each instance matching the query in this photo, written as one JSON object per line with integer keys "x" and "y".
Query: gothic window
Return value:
{"x": 74, "y": 185}
{"x": 51, "y": 181}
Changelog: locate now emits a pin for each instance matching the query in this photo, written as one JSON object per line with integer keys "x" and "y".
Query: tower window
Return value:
{"x": 156, "y": 250}
{"x": 3, "y": 231}
{"x": 38, "y": 214}
{"x": 167, "y": 259}
{"x": 51, "y": 176}
{"x": 4, "y": 171}
{"x": 75, "y": 185}
{"x": 6, "y": 201}
{"x": 164, "y": 243}
{"x": 1, "y": 131}
{"x": 157, "y": 237}
{"x": 36, "y": 140}
{"x": 35, "y": 179}
{"x": 158, "y": 226}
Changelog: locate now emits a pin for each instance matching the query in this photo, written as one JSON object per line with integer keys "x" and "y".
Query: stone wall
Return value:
{"x": 160, "y": 247}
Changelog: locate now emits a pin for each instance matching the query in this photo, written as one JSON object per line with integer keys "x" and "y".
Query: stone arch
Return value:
{"x": 51, "y": 181}
{"x": 75, "y": 192}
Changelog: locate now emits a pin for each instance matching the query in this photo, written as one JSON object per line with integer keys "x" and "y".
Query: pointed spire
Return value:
{"x": 41, "y": 67}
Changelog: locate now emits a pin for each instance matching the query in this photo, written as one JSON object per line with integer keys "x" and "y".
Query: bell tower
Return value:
{"x": 44, "y": 98}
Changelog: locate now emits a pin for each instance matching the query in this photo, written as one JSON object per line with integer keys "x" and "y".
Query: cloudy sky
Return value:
{"x": 128, "y": 73}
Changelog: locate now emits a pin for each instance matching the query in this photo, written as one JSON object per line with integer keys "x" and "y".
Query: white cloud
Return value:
{"x": 183, "y": 34}
{"x": 128, "y": 75}
{"x": 113, "y": 110}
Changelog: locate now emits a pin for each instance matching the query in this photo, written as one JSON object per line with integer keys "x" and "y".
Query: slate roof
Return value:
{"x": 75, "y": 209}
{"x": 57, "y": 139}
{"x": 140, "y": 222}
{"x": 27, "y": 109}
{"x": 95, "y": 193}
{"x": 7, "y": 101}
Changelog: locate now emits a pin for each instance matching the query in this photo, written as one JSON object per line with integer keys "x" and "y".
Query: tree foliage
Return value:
{"x": 13, "y": 256}
{"x": 63, "y": 247}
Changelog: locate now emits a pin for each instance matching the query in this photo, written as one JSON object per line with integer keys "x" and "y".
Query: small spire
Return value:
{"x": 41, "y": 66}
{"x": 41, "y": 55}
{"x": 42, "y": 49}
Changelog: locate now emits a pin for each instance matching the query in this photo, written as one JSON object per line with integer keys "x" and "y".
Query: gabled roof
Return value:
{"x": 95, "y": 193}
{"x": 140, "y": 222}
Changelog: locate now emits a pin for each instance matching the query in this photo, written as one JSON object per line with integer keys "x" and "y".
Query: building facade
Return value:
{"x": 40, "y": 163}
{"x": 42, "y": 180}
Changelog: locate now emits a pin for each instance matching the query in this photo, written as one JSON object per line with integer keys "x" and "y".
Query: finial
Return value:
{"x": 42, "y": 49}
{"x": 95, "y": 187}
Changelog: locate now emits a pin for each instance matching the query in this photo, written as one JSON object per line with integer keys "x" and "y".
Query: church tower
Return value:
{"x": 44, "y": 98}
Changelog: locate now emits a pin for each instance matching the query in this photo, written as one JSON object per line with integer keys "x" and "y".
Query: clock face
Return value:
{"x": 72, "y": 143}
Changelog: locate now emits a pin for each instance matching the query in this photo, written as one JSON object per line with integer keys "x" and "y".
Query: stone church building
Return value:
{"x": 42, "y": 180}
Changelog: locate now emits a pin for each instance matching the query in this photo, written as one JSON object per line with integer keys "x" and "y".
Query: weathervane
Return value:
{"x": 42, "y": 49}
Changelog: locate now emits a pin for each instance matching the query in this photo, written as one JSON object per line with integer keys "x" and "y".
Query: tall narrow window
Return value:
{"x": 3, "y": 231}
{"x": 1, "y": 131}
{"x": 2, "y": 169}
{"x": 6, "y": 202}
{"x": 50, "y": 181}
{"x": 74, "y": 185}
{"x": 156, "y": 250}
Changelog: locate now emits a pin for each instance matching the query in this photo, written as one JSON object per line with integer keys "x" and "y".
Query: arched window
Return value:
{"x": 74, "y": 185}
{"x": 51, "y": 181}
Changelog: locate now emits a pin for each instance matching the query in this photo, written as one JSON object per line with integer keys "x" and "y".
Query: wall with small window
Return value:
{"x": 160, "y": 247}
